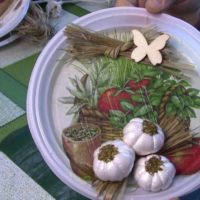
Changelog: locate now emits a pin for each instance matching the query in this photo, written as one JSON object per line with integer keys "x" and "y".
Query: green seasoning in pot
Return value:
{"x": 79, "y": 142}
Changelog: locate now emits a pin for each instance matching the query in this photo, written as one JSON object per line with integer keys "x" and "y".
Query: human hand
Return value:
{"x": 188, "y": 10}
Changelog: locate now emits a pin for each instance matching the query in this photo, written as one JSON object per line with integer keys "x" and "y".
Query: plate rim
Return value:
{"x": 16, "y": 20}
{"x": 32, "y": 88}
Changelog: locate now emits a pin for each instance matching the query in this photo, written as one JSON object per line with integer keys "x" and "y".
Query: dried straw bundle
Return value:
{"x": 35, "y": 26}
{"x": 87, "y": 44}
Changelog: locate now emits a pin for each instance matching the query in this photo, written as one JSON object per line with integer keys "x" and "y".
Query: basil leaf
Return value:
{"x": 176, "y": 101}
{"x": 190, "y": 112}
{"x": 74, "y": 109}
{"x": 192, "y": 92}
{"x": 157, "y": 83}
{"x": 117, "y": 113}
{"x": 66, "y": 100}
{"x": 143, "y": 110}
{"x": 170, "y": 108}
{"x": 126, "y": 105}
{"x": 137, "y": 98}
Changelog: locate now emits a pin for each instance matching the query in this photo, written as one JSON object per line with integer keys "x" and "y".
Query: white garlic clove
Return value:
{"x": 113, "y": 161}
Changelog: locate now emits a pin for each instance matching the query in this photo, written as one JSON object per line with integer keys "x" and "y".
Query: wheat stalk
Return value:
{"x": 35, "y": 26}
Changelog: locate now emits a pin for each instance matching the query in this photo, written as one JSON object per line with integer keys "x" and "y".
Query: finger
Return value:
{"x": 192, "y": 17}
{"x": 158, "y": 6}
{"x": 185, "y": 6}
{"x": 126, "y": 3}
{"x": 141, "y": 3}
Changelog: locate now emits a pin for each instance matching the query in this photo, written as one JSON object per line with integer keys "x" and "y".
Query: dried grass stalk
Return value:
{"x": 176, "y": 139}
{"x": 109, "y": 190}
{"x": 35, "y": 26}
{"x": 86, "y": 44}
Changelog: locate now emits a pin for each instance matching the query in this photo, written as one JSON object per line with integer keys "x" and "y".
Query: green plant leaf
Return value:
{"x": 115, "y": 119}
{"x": 170, "y": 108}
{"x": 155, "y": 101}
{"x": 74, "y": 109}
{"x": 103, "y": 81}
{"x": 150, "y": 73}
{"x": 73, "y": 81}
{"x": 143, "y": 110}
{"x": 182, "y": 115}
{"x": 66, "y": 100}
{"x": 78, "y": 94}
{"x": 88, "y": 87}
{"x": 188, "y": 100}
{"x": 80, "y": 85}
{"x": 192, "y": 92}
{"x": 126, "y": 105}
{"x": 117, "y": 113}
{"x": 190, "y": 112}
{"x": 184, "y": 83}
{"x": 95, "y": 97}
{"x": 157, "y": 83}
{"x": 196, "y": 102}
{"x": 137, "y": 98}
{"x": 176, "y": 101}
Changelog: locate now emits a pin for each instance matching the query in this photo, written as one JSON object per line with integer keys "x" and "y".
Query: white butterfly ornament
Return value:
{"x": 151, "y": 50}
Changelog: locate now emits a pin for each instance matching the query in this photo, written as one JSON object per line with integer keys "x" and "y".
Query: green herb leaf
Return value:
{"x": 192, "y": 92}
{"x": 77, "y": 94}
{"x": 196, "y": 103}
{"x": 126, "y": 105}
{"x": 176, "y": 101}
{"x": 80, "y": 85}
{"x": 150, "y": 73}
{"x": 117, "y": 122}
{"x": 170, "y": 108}
{"x": 188, "y": 100}
{"x": 155, "y": 101}
{"x": 184, "y": 83}
{"x": 88, "y": 86}
{"x": 115, "y": 119}
{"x": 157, "y": 83}
{"x": 73, "y": 81}
{"x": 95, "y": 97}
{"x": 182, "y": 115}
{"x": 143, "y": 110}
{"x": 103, "y": 81}
{"x": 74, "y": 109}
{"x": 66, "y": 100}
{"x": 137, "y": 98}
{"x": 117, "y": 113}
{"x": 190, "y": 112}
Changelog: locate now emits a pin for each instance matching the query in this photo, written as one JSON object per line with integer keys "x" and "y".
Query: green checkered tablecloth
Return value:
{"x": 23, "y": 173}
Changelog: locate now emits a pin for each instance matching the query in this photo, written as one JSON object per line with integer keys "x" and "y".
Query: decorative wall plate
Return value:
{"x": 47, "y": 116}
{"x": 13, "y": 16}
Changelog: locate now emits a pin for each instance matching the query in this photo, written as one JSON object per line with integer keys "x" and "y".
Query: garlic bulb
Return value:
{"x": 113, "y": 161}
{"x": 143, "y": 136}
{"x": 154, "y": 173}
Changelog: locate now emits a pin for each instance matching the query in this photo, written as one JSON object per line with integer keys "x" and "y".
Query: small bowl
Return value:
{"x": 80, "y": 153}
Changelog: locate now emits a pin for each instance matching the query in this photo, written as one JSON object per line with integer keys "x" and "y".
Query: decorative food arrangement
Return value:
{"x": 132, "y": 108}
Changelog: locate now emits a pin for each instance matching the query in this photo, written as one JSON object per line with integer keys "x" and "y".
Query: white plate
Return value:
{"x": 47, "y": 118}
{"x": 13, "y": 16}
{"x": 7, "y": 39}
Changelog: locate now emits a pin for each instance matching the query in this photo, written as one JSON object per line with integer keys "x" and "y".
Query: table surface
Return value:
{"x": 23, "y": 172}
